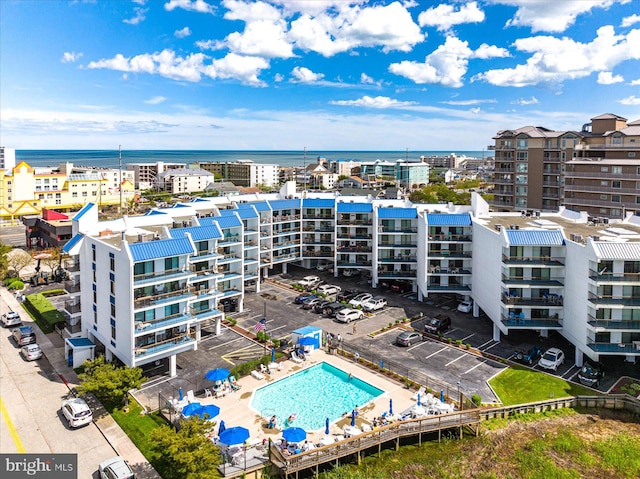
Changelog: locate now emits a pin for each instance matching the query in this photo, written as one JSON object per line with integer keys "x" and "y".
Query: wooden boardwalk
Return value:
{"x": 354, "y": 447}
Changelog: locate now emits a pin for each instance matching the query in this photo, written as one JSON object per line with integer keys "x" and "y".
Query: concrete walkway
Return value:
{"x": 53, "y": 348}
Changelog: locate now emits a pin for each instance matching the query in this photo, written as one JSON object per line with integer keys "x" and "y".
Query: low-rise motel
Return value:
{"x": 144, "y": 286}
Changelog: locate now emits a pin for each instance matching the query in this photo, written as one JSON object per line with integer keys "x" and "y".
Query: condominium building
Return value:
{"x": 7, "y": 158}
{"x": 244, "y": 172}
{"x": 406, "y": 174}
{"x": 145, "y": 174}
{"x": 594, "y": 169}
{"x": 151, "y": 283}
{"x": 184, "y": 180}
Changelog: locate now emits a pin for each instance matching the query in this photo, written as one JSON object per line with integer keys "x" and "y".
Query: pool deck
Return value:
{"x": 235, "y": 408}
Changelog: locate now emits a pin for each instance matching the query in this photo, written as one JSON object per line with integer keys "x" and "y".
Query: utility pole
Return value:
{"x": 304, "y": 169}
{"x": 120, "y": 182}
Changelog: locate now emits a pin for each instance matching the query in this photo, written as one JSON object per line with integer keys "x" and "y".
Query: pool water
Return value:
{"x": 313, "y": 394}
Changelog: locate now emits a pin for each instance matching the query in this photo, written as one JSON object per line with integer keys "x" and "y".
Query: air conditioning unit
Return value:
{"x": 595, "y": 238}
{"x": 498, "y": 227}
{"x": 605, "y": 221}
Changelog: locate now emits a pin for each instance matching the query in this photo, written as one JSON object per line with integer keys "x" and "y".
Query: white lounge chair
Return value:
{"x": 295, "y": 358}
{"x": 264, "y": 369}
{"x": 420, "y": 392}
{"x": 190, "y": 396}
{"x": 256, "y": 374}
{"x": 207, "y": 393}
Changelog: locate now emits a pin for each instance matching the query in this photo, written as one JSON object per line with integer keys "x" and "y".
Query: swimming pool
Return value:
{"x": 313, "y": 394}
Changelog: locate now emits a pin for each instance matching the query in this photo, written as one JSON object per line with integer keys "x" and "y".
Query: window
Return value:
{"x": 615, "y": 198}
{"x": 522, "y": 143}
{"x": 112, "y": 263}
{"x": 113, "y": 287}
{"x": 522, "y": 167}
{"x": 58, "y": 201}
{"x": 615, "y": 212}
{"x": 521, "y": 179}
{"x": 113, "y": 310}
{"x": 113, "y": 332}
{"x": 84, "y": 194}
{"x": 604, "y": 183}
{"x": 615, "y": 184}
{"x": 616, "y": 170}
{"x": 604, "y": 169}
{"x": 632, "y": 154}
{"x": 522, "y": 155}
{"x": 38, "y": 188}
{"x": 604, "y": 197}
{"x": 617, "y": 139}
{"x": 95, "y": 317}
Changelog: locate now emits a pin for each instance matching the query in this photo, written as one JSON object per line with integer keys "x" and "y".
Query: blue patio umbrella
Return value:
{"x": 326, "y": 426}
{"x": 353, "y": 417}
{"x": 273, "y": 355}
{"x": 442, "y": 395}
{"x": 217, "y": 374}
{"x": 189, "y": 409}
{"x": 307, "y": 341}
{"x": 419, "y": 403}
{"x": 234, "y": 435}
{"x": 294, "y": 434}
{"x": 207, "y": 412}
{"x": 221, "y": 427}
{"x": 180, "y": 393}
{"x": 390, "y": 406}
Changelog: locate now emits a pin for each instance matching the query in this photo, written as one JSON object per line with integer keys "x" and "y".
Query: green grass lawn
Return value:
{"x": 516, "y": 385}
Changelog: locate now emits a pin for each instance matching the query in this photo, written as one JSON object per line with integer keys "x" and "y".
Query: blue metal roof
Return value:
{"x": 199, "y": 200}
{"x": 535, "y": 237}
{"x": 82, "y": 211}
{"x": 160, "y": 249}
{"x": 318, "y": 202}
{"x": 447, "y": 219}
{"x": 223, "y": 221}
{"x": 386, "y": 213}
{"x": 307, "y": 330}
{"x": 245, "y": 213}
{"x": 198, "y": 233}
{"x": 80, "y": 342}
{"x": 284, "y": 204}
{"x": 179, "y": 205}
{"x": 230, "y": 212}
{"x": 154, "y": 212}
{"x": 355, "y": 207}
{"x": 72, "y": 242}
{"x": 259, "y": 205}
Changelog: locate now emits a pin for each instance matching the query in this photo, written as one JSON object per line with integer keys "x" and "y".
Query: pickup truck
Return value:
{"x": 438, "y": 324}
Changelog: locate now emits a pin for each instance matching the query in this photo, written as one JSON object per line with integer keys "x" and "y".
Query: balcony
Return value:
{"x": 317, "y": 254}
{"x": 282, "y": 231}
{"x": 355, "y": 249}
{"x": 531, "y": 323}
{"x": 522, "y": 280}
{"x": 143, "y": 327}
{"x": 229, "y": 239}
{"x": 614, "y": 300}
{"x": 612, "y": 348}
{"x": 172, "y": 296}
{"x": 601, "y": 175}
{"x": 349, "y": 222}
{"x": 204, "y": 255}
{"x": 448, "y": 288}
{"x": 550, "y": 301}
{"x": 72, "y": 307}
{"x": 556, "y": 184}
{"x": 159, "y": 347}
{"x": 71, "y": 286}
{"x": 387, "y": 244}
{"x": 397, "y": 274}
{"x": 354, "y": 263}
{"x": 613, "y": 277}
{"x": 315, "y": 216}
{"x": 502, "y": 181}
{"x": 72, "y": 266}
{"x": 533, "y": 260}
{"x": 386, "y": 229}
{"x": 229, "y": 258}
{"x": 504, "y": 170}
{"x": 600, "y": 189}
{"x": 312, "y": 241}
{"x": 449, "y": 238}
{"x": 551, "y": 171}
{"x": 398, "y": 259}
{"x": 507, "y": 203}
{"x": 165, "y": 275}
{"x": 613, "y": 324}
{"x": 630, "y": 147}
{"x": 445, "y": 253}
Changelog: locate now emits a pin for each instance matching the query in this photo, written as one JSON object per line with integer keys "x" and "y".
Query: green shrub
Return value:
{"x": 15, "y": 284}
{"x": 476, "y": 399}
{"x": 468, "y": 346}
{"x": 458, "y": 342}
{"x": 53, "y": 292}
{"x": 390, "y": 325}
{"x": 43, "y": 312}
{"x": 449, "y": 340}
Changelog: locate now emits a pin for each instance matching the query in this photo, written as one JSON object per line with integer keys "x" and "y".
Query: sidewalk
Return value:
{"x": 53, "y": 349}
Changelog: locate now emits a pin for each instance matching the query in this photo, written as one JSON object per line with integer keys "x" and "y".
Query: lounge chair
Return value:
{"x": 257, "y": 374}
{"x": 234, "y": 384}
{"x": 264, "y": 369}
{"x": 295, "y": 358}
{"x": 420, "y": 392}
{"x": 190, "y": 396}
{"x": 207, "y": 393}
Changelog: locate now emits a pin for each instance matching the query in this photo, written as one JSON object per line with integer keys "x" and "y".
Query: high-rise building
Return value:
{"x": 244, "y": 172}
{"x": 7, "y": 158}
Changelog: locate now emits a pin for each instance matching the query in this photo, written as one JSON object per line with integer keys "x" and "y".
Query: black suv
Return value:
{"x": 348, "y": 294}
{"x": 331, "y": 309}
{"x": 320, "y": 305}
{"x": 529, "y": 356}
{"x": 438, "y": 324}
{"x": 591, "y": 373}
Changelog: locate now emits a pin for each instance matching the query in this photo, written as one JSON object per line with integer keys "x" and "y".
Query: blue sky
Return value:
{"x": 321, "y": 74}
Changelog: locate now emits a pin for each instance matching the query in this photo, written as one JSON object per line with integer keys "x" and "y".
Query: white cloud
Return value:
{"x": 523, "y": 101}
{"x": 475, "y": 111}
{"x": 469, "y": 102}
{"x": 628, "y": 21}
{"x": 139, "y": 2}
{"x": 70, "y": 57}
{"x": 190, "y": 5}
{"x": 207, "y": 44}
{"x": 551, "y": 16}
{"x": 558, "y": 59}
{"x": 345, "y": 27}
{"x": 182, "y": 33}
{"x": 263, "y": 38}
{"x": 630, "y": 100}
{"x": 239, "y": 67}
{"x": 445, "y": 16}
{"x": 139, "y": 17}
{"x": 251, "y": 12}
{"x": 607, "y": 78}
{"x": 366, "y": 79}
{"x": 485, "y": 51}
{"x": 446, "y": 65}
{"x": 635, "y": 82}
{"x": 373, "y": 102}
{"x": 156, "y": 100}
{"x": 304, "y": 75}
{"x": 278, "y": 77}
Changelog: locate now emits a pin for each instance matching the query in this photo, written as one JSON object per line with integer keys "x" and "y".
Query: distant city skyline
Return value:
{"x": 331, "y": 74}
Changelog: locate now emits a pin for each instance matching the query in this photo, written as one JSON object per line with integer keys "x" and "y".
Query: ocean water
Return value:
{"x": 109, "y": 158}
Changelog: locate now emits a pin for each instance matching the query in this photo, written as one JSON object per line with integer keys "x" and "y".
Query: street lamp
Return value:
{"x": 459, "y": 398}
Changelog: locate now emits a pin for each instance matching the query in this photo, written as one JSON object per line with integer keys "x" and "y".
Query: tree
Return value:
{"x": 108, "y": 382}
{"x": 188, "y": 453}
{"x": 53, "y": 261}
{"x": 18, "y": 259}
{"x": 343, "y": 177}
{"x": 4, "y": 259}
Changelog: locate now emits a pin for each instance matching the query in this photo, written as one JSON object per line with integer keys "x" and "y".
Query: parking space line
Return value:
{"x": 416, "y": 346}
{"x": 457, "y": 359}
{"x": 476, "y": 366}
{"x": 438, "y": 351}
{"x": 452, "y": 330}
{"x": 467, "y": 337}
{"x": 225, "y": 343}
{"x": 487, "y": 349}
{"x": 484, "y": 344}
{"x": 573, "y": 375}
{"x": 568, "y": 371}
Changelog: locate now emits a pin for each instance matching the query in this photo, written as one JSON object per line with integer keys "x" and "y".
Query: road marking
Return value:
{"x": 476, "y": 366}
{"x": 573, "y": 375}
{"x": 484, "y": 344}
{"x": 467, "y": 337}
{"x": 488, "y": 348}
{"x": 438, "y": 351}
{"x": 226, "y": 343}
{"x": 568, "y": 371}
{"x": 416, "y": 346}
{"x": 454, "y": 360}
{"x": 452, "y": 330}
{"x": 12, "y": 428}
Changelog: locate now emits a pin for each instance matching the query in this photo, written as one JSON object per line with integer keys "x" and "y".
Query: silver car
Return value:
{"x": 31, "y": 352}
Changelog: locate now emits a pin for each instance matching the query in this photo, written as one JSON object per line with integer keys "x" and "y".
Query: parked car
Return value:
{"x": 347, "y": 315}
{"x": 437, "y": 324}
{"x": 310, "y": 282}
{"x": 77, "y": 412}
{"x": 465, "y": 306}
{"x": 551, "y": 359}
{"x": 10, "y": 318}
{"x": 302, "y": 297}
{"x": 400, "y": 286}
{"x": 328, "y": 267}
{"x": 358, "y": 300}
{"x": 320, "y": 305}
{"x": 24, "y": 335}
{"x": 115, "y": 468}
{"x": 374, "y": 304}
{"x": 31, "y": 352}
{"x": 591, "y": 373}
{"x": 331, "y": 309}
{"x": 350, "y": 272}
{"x": 310, "y": 302}
{"x": 527, "y": 356}
{"x": 329, "y": 289}
{"x": 348, "y": 294}
{"x": 407, "y": 338}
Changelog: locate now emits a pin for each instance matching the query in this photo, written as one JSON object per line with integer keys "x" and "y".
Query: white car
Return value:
{"x": 31, "y": 352}
{"x": 361, "y": 298}
{"x": 10, "y": 318}
{"x": 310, "y": 281}
{"x": 551, "y": 359}
{"x": 347, "y": 315}
{"x": 115, "y": 468}
{"x": 77, "y": 412}
{"x": 374, "y": 304}
{"x": 328, "y": 289}
{"x": 465, "y": 306}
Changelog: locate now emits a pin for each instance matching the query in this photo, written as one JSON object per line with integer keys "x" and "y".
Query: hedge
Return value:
{"x": 43, "y": 312}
